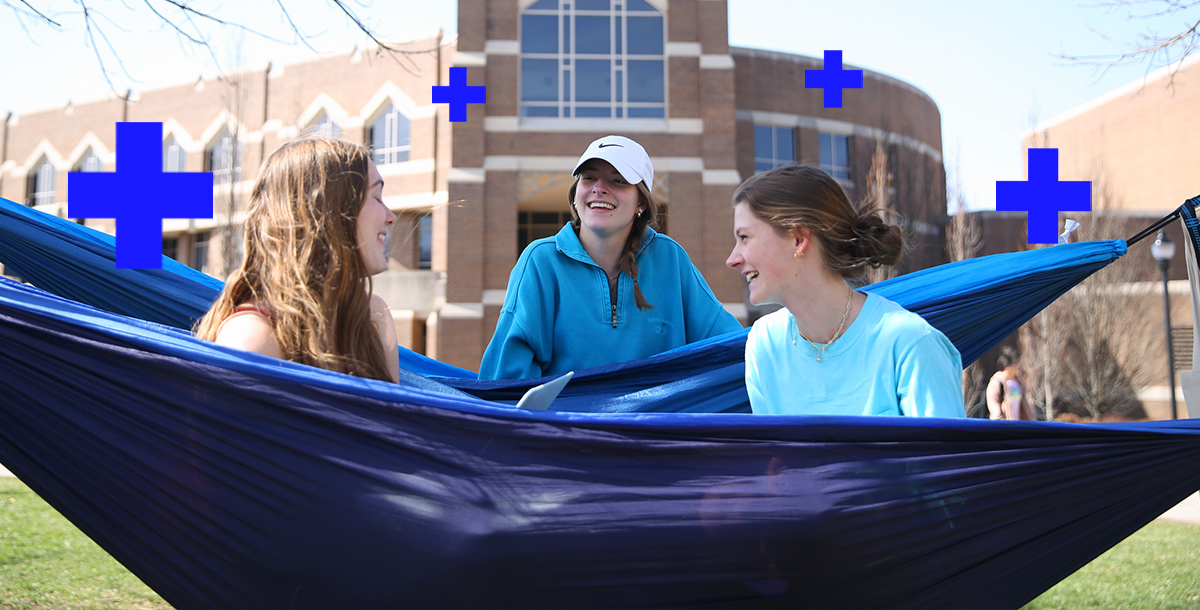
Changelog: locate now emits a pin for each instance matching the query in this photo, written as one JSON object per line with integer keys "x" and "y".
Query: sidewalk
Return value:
{"x": 1187, "y": 511}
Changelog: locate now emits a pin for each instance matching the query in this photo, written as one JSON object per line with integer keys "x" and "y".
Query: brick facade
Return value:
{"x": 474, "y": 178}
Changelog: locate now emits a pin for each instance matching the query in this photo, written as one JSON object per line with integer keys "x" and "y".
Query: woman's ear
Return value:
{"x": 801, "y": 235}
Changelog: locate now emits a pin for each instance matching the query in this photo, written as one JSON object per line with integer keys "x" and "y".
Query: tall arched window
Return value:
{"x": 324, "y": 127}
{"x": 389, "y": 136}
{"x": 88, "y": 163}
{"x": 593, "y": 58}
{"x": 174, "y": 157}
{"x": 222, "y": 159}
{"x": 40, "y": 186}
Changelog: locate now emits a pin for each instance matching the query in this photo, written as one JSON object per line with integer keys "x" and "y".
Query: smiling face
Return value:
{"x": 373, "y": 221}
{"x": 764, "y": 256}
{"x": 605, "y": 202}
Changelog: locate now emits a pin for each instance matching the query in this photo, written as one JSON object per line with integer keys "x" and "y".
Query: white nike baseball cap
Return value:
{"x": 627, "y": 156}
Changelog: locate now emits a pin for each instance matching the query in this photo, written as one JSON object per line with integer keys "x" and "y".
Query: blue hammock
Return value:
{"x": 226, "y": 479}
{"x": 976, "y": 303}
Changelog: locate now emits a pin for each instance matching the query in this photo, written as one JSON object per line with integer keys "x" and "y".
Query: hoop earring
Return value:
{"x": 798, "y": 256}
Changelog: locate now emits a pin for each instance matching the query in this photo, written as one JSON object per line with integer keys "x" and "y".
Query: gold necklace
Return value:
{"x": 836, "y": 335}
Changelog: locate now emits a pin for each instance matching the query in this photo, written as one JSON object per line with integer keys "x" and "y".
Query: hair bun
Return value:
{"x": 875, "y": 241}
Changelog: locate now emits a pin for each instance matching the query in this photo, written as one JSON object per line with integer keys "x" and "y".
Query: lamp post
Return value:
{"x": 1163, "y": 250}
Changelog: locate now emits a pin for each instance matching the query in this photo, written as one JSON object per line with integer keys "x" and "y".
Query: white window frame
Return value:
{"x": 200, "y": 251}
{"x": 221, "y": 149}
{"x": 773, "y": 160}
{"x": 392, "y": 150}
{"x": 174, "y": 157}
{"x": 839, "y": 171}
{"x": 41, "y": 185}
{"x": 325, "y": 127}
{"x": 567, "y": 61}
{"x": 89, "y": 163}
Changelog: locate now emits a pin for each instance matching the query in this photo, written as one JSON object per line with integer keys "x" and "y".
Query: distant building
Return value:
{"x": 1137, "y": 145}
{"x": 471, "y": 195}
{"x": 1141, "y": 137}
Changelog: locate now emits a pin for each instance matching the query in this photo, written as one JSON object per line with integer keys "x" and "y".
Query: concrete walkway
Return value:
{"x": 1187, "y": 511}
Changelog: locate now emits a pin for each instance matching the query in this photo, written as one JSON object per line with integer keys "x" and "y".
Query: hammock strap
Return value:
{"x": 1162, "y": 222}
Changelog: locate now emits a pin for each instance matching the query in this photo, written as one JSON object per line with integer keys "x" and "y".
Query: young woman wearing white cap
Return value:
{"x": 607, "y": 288}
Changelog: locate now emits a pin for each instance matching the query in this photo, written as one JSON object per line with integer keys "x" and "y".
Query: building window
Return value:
{"x": 835, "y": 155}
{"x": 593, "y": 58}
{"x": 174, "y": 158}
{"x": 324, "y": 127}
{"x": 389, "y": 137}
{"x": 40, "y": 187}
{"x": 773, "y": 147}
{"x": 222, "y": 160}
{"x": 88, "y": 163}
{"x": 536, "y": 225}
{"x": 200, "y": 251}
{"x": 425, "y": 242}
{"x": 171, "y": 247}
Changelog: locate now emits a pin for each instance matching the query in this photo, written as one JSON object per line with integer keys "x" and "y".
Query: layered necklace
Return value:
{"x": 836, "y": 335}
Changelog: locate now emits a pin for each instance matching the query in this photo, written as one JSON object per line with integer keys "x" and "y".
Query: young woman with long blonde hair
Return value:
{"x": 315, "y": 232}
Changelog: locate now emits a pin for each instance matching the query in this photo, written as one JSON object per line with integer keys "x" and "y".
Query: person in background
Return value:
{"x": 1006, "y": 389}
{"x": 608, "y": 287}
{"x": 831, "y": 350}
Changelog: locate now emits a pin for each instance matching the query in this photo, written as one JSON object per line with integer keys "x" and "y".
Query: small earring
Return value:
{"x": 640, "y": 213}
{"x": 798, "y": 256}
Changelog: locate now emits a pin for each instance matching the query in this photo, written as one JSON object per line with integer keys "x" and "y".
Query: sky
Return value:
{"x": 993, "y": 68}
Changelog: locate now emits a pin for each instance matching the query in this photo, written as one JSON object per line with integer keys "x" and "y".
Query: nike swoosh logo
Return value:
{"x": 603, "y": 145}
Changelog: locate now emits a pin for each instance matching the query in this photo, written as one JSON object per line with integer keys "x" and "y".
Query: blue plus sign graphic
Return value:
{"x": 832, "y": 78}
{"x": 1043, "y": 196}
{"x": 458, "y": 95}
{"x": 139, "y": 195}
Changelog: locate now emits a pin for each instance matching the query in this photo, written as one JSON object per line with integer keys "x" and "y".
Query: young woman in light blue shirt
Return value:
{"x": 831, "y": 350}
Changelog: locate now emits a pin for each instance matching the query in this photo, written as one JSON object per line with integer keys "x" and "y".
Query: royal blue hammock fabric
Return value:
{"x": 228, "y": 480}
{"x": 976, "y": 303}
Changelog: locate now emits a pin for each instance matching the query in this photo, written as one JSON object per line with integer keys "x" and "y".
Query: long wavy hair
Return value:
{"x": 302, "y": 263}
{"x": 649, "y": 218}
{"x": 804, "y": 196}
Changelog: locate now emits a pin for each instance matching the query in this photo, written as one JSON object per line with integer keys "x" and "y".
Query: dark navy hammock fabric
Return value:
{"x": 228, "y": 480}
{"x": 224, "y": 479}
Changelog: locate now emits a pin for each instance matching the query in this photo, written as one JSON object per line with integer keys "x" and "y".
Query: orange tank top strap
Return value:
{"x": 249, "y": 307}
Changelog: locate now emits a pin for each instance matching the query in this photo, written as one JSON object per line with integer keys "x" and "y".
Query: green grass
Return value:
{"x": 1157, "y": 568}
{"x": 45, "y": 562}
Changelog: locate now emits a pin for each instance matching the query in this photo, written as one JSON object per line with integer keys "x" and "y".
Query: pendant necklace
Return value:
{"x": 836, "y": 335}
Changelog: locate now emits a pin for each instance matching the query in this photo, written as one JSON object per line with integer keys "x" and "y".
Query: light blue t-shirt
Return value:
{"x": 889, "y": 362}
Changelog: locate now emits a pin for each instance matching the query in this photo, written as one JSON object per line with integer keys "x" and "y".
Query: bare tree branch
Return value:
{"x": 189, "y": 25}
{"x": 1150, "y": 47}
{"x": 39, "y": 14}
{"x": 91, "y": 42}
{"x": 303, "y": 38}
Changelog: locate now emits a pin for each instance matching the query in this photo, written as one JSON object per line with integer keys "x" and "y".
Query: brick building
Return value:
{"x": 470, "y": 195}
{"x": 1135, "y": 144}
